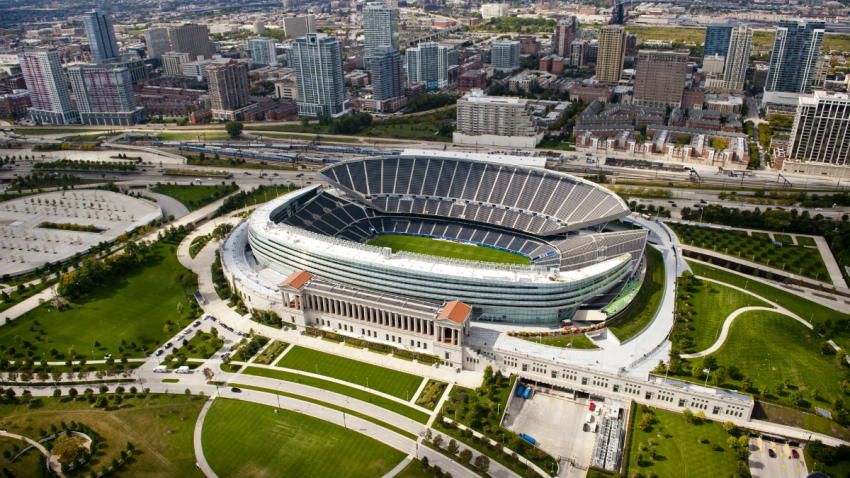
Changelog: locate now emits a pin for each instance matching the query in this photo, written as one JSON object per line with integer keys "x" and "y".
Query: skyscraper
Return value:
{"x": 565, "y": 34}
{"x": 660, "y": 78}
{"x": 101, "y": 36}
{"x": 297, "y": 27}
{"x": 380, "y": 27}
{"x": 795, "y": 56}
{"x": 428, "y": 63}
{"x": 387, "y": 73}
{"x": 51, "y": 101}
{"x": 717, "y": 39}
{"x": 821, "y": 131}
{"x": 612, "y": 54}
{"x": 104, "y": 95}
{"x": 505, "y": 55}
{"x": 263, "y": 51}
{"x": 496, "y": 121}
{"x": 158, "y": 42}
{"x": 172, "y": 63}
{"x": 317, "y": 59}
{"x": 228, "y": 83}
{"x": 192, "y": 39}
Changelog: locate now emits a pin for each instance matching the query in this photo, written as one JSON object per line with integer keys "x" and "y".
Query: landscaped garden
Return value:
{"x": 806, "y": 241}
{"x": 202, "y": 345}
{"x": 758, "y": 248}
{"x": 569, "y": 341}
{"x": 271, "y": 352}
{"x": 194, "y": 197}
{"x": 644, "y": 306}
{"x": 669, "y": 445}
{"x": 398, "y": 384}
{"x": 431, "y": 394}
{"x": 248, "y": 439}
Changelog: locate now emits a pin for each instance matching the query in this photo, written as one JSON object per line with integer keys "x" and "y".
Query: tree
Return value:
{"x": 730, "y": 428}
{"x": 453, "y": 447}
{"x": 208, "y": 373}
{"x": 438, "y": 440}
{"x": 465, "y": 456}
{"x": 482, "y": 463}
{"x": 101, "y": 402}
{"x": 688, "y": 415}
{"x": 184, "y": 279}
{"x": 732, "y": 442}
{"x": 68, "y": 448}
{"x": 424, "y": 458}
{"x": 743, "y": 441}
{"x": 234, "y": 129}
{"x": 73, "y": 393}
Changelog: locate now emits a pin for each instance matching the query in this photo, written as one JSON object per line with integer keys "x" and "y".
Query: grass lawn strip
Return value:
{"x": 433, "y": 247}
{"x": 139, "y": 302}
{"x": 160, "y": 426}
{"x": 361, "y": 395}
{"x": 577, "y": 341}
{"x": 249, "y": 439}
{"x": 329, "y": 405}
{"x": 414, "y": 470}
{"x": 711, "y": 304}
{"x": 398, "y": 384}
{"x": 677, "y": 451}
{"x": 644, "y": 306}
{"x": 806, "y": 241}
{"x": 194, "y": 197}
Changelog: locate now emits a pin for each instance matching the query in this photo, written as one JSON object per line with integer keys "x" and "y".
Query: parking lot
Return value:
{"x": 557, "y": 423}
{"x": 781, "y": 465}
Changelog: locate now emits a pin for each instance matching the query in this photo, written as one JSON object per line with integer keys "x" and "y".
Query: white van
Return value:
{"x": 589, "y": 418}
{"x": 183, "y": 369}
{"x": 160, "y": 369}
{"x": 594, "y": 428}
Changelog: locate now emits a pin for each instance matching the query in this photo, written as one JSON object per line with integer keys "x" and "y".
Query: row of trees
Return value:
{"x": 345, "y": 124}
{"x": 86, "y": 165}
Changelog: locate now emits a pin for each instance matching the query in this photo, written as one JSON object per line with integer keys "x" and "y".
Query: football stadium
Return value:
{"x": 518, "y": 243}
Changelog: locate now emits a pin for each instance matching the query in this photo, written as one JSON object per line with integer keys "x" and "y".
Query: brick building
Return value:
{"x": 14, "y": 104}
{"x": 472, "y": 79}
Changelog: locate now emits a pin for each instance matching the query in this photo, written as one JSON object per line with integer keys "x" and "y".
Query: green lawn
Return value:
{"x": 397, "y": 384}
{"x": 677, "y": 451}
{"x": 644, "y": 306}
{"x": 206, "y": 136}
{"x": 194, "y": 197}
{"x": 784, "y": 238}
{"x": 797, "y": 419}
{"x": 138, "y": 302}
{"x": 577, "y": 341}
{"x": 770, "y": 347}
{"x": 414, "y": 470}
{"x": 391, "y": 405}
{"x": 160, "y": 426}
{"x": 806, "y": 241}
{"x": 433, "y": 247}
{"x": 757, "y": 248}
{"x": 15, "y": 298}
{"x": 243, "y": 439}
{"x": 711, "y": 304}
{"x": 502, "y": 396}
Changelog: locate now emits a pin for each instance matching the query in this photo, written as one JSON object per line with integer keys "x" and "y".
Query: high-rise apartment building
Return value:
{"x": 380, "y": 28}
{"x": 51, "y": 100}
{"x": 196, "y": 69}
{"x": 228, "y": 86}
{"x": 578, "y": 52}
{"x": 297, "y": 27}
{"x": 494, "y": 10}
{"x": 660, "y": 78}
{"x": 821, "y": 130}
{"x": 192, "y": 39}
{"x": 291, "y": 3}
{"x": 387, "y": 73}
{"x": 317, "y": 59}
{"x": 263, "y": 51}
{"x": 172, "y": 63}
{"x": 611, "y": 55}
{"x": 101, "y": 36}
{"x": 428, "y": 63}
{"x": 730, "y": 77}
{"x": 717, "y": 39}
{"x": 796, "y": 49}
{"x": 505, "y": 55}
{"x": 158, "y": 42}
{"x": 631, "y": 46}
{"x": 565, "y": 34}
{"x": 104, "y": 95}
{"x": 528, "y": 45}
{"x": 495, "y": 121}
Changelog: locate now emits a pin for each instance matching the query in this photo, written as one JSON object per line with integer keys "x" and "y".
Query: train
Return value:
{"x": 261, "y": 151}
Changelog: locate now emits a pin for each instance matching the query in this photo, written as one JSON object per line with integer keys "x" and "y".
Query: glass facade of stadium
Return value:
{"x": 494, "y": 300}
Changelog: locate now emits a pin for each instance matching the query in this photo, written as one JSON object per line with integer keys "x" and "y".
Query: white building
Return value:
{"x": 820, "y": 135}
{"x": 196, "y": 69}
{"x": 495, "y": 121}
{"x": 428, "y": 63}
{"x": 380, "y": 28}
{"x": 505, "y": 55}
{"x": 494, "y": 10}
{"x": 172, "y": 63}
{"x": 317, "y": 59}
{"x": 263, "y": 51}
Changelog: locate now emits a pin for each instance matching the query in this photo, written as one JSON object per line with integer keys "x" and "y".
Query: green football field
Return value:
{"x": 454, "y": 250}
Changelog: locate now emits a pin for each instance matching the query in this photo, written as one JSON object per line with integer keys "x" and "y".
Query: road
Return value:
{"x": 781, "y": 465}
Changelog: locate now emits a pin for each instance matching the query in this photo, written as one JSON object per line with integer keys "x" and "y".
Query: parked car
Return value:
{"x": 168, "y": 345}
{"x": 197, "y": 323}
{"x": 235, "y": 390}
{"x": 159, "y": 352}
{"x": 771, "y": 452}
{"x": 179, "y": 336}
{"x": 795, "y": 454}
{"x": 592, "y": 406}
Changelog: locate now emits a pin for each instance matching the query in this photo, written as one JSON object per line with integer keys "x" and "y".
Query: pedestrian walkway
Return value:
{"x": 199, "y": 448}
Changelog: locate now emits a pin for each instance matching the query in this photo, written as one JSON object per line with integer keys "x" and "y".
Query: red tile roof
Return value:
{"x": 297, "y": 279}
{"x": 455, "y": 311}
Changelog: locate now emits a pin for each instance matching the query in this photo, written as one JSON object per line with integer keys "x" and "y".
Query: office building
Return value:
{"x": 611, "y": 55}
{"x": 660, "y": 78}
{"x": 286, "y": 89}
{"x": 104, "y": 95}
{"x": 317, "y": 59}
{"x": 228, "y": 87}
{"x": 495, "y": 121}
{"x": 196, "y": 69}
{"x": 192, "y": 39}
{"x": 565, "y": 34}
{"x": 158, "y": 42}
{"x": 380, "y": 28}
{"x": 297, "y": 27}
{"x": 101, "y": 36}
{"x": 428, "y": 63}
{"x": 263, "y": 52}
{"x": 717, "y": 39}
{"x": 172, "y": 61}
{"x": 494, "y": 10}
{"x": 258, "y": 27}
{"x": 51, "y": 100}
{"x": 821, "y": 130}
{"x": 505, "y": 55}
{"x": 728, "y": 77}
{"x": 713, "y": 65}
{"x": 578, "y": 52}
{"x": 291, "y": 3}
{"x": 387, "y": 73}
{"x": 796, "y": 49}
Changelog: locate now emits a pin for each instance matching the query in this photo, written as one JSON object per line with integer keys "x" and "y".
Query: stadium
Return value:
{"x": 518, "y": 243}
